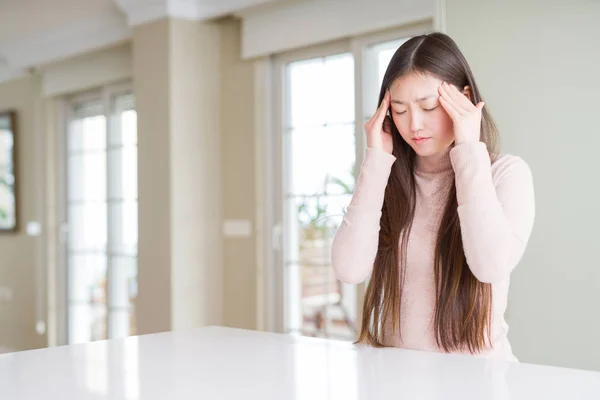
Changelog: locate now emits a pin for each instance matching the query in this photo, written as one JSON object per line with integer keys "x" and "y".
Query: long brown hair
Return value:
{"x": 463, "y": 307}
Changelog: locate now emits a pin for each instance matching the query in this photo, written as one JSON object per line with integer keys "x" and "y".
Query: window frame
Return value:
{"x": 106, "y": 95}
{"x": 270, "y": 125}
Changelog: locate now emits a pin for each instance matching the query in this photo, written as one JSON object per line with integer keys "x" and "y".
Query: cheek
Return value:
{"x": 403, "y": 127}
{"x": 442, "y": 125}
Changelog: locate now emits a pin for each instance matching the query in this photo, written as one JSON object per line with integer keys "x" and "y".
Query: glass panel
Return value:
{"x": 123, "y": 161}
{"x": 125, "y": 133}
{"x": 87, "y": 224}
{"x": 383, "y": 60}
{"x": 125, "y": 121}
{"x": 86, "y": 323}
{"x": 92, "y": 194}
{"x": 122, "y": 323}
{"x": 322, "y": 309}
{"x": 123, "y": 282}
{"x": 338, "y": 91}
{"x": 321, "y": 156}
{"x": 318, "y": 219}
{"x": 305, "y": 81}
{"x": 87, "y": 176}
{"x": 87, "y": 133}
{"x": 129, "y": 127}
{"x": 124, "y": 228}
{"x": 7, "y": 197}
{"x": 6, "y": 147}
{"x": 383, "y": 53}
{"x": 87, "y": 278}
{"x": 322, "y": 91}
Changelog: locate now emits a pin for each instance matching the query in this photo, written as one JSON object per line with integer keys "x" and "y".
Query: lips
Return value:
{"x": 420, "y": 140}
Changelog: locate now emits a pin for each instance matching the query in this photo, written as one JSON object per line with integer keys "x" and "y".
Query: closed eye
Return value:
{"x": 425, "y": 109}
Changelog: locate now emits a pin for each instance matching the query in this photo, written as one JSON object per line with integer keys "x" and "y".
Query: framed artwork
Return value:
{"x": 8, "y": 167}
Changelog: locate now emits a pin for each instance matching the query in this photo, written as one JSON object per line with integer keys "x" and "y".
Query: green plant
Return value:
{"x": 313, "y": 211}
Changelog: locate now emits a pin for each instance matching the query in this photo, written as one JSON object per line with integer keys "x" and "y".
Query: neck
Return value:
{"x": 435, "y": 163}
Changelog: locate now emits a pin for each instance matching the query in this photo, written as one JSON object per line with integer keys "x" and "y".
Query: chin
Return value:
{"x": 424, "y": 152}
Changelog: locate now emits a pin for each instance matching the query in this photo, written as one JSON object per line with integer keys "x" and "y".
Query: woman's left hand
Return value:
{"x": 465, "y": 116}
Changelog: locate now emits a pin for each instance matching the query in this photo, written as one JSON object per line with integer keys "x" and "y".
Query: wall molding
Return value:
{"x": 144, "y": 11}
{"x": 308, "y": 23}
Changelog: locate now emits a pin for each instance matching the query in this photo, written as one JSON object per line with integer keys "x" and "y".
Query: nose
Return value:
{"x": 416, "y": 122}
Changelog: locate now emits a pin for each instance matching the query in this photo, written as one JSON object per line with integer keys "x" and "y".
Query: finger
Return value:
{"x": 460, "y": 98}
{"x": 445, "y": 93}
{"x": 452, "y": 112}
{"x": 383, "y": 107}
{"x": 480, "y": 105}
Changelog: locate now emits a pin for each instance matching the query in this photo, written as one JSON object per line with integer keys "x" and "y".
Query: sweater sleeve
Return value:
{"x": 496, "y": 210}
{"x": 355, "y": 244}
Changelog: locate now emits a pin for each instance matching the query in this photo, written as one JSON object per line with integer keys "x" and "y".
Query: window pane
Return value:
{"x": 123, "y": 282}
{"x": 322, "y": 91}
{"x": 6, "y": 147}
{"x": 123, "y": 162}
{"x": 88, "y": 133}
{"x": 7, "y": 197}
{"x": 86, "y": 323}
{"x": 383, "y": 61}
{"x": 87, "y": 176}
{"x": 87, "y": 278}
{"x": 318, "y": 219}
{"x": 125, "y": 121}
{"x": 124, "y": 227}
{"x": 320, "y": 156}
{"x": 128, "y": 126}
{"x": 87, "y": 224}
{"x": 338, "y": 92}
{"x": 94, "y": 197}
{"x": 383, "y": 53}
{"x": 306, "y": 85}
{"x": 122, "y": 323}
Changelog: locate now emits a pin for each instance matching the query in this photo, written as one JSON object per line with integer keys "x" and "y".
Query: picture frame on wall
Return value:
{"x": 9, "y": 216}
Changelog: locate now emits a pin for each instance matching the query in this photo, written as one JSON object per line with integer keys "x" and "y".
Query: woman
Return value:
{"x": 438, "y": 219}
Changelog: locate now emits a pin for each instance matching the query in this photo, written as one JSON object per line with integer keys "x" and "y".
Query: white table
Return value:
{"x": 224, "y": 363}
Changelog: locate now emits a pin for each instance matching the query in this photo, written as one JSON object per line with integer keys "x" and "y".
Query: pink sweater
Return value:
{"x": 496, "y": 210}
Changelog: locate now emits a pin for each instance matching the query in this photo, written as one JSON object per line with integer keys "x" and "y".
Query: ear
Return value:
{"x": 467, "y": 92}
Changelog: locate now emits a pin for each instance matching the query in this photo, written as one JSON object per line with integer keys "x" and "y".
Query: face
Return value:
{"x": 420, "y": 118}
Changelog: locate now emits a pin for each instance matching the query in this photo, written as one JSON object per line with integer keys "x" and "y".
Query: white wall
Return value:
{"x": 537, "y": 62}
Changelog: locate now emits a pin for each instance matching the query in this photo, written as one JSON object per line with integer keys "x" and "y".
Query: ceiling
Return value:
{"x": 38, "y": 32}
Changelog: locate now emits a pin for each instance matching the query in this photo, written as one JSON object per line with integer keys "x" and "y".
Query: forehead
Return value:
{"x": 414, "y": 86}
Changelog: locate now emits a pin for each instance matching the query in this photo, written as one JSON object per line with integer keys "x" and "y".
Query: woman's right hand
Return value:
{"x": 379, "y": 127}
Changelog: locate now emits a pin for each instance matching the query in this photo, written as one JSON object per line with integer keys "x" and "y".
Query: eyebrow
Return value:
{"x": 419, "y": 99}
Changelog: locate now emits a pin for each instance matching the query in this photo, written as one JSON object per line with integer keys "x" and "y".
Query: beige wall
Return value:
{"x": 19, "y": 253}
{"x": 203, "y": 96}
{"x": 151, "y": 86}
{"x": 238, "y": 175}
{"x": 538, "y": 70}
{"x": 176, "y": 68}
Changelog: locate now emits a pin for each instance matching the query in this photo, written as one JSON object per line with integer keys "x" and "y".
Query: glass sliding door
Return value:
{"x": 101, "y": 202}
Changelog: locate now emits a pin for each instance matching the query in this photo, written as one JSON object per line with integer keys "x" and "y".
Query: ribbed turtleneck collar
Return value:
{"x": 434, "y": 164}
